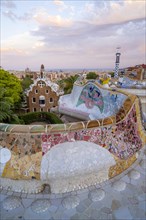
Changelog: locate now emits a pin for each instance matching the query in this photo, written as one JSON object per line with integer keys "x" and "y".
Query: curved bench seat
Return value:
{"x": 122, "y": 135}
{"x": 74, "y": 165}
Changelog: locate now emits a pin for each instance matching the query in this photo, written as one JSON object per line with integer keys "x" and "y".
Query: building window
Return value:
{"x": 48, "y": 110}
{"x": 41, "y": 84}
{"x": 36, "y": 91}
{"x": 34, "y": 109}
{"x": 42, "y": 100}
{"x": 51, "y": 99}
{"x": 41, "y": 110}
{"x": 47, "y": 91}
{"x": 33, "y": 99}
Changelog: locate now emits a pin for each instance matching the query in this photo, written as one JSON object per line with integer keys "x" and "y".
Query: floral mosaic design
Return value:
{"x": 121, "y": 139}
{"x": 91, "y": 96}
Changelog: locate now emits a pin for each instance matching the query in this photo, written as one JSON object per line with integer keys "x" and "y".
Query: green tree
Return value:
{"x": 5, "y": 106}
{"x": 10, "y": 96}
{"x": 12, "y": 85}
{"x": 67, "y": 84}
{"x": 112, "y": 74}
{"x": 6, "y": 109}
{"x": 91, "y": 75}
{"x": 26, "y": 82}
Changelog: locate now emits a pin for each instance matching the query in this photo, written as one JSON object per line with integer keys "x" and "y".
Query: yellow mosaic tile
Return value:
{"x": 27, "y": 167}
{"x": 120, "y": 166}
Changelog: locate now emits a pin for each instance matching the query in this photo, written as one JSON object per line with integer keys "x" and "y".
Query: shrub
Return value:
{"x": 48, "y": 117}
{"x": 112, "y": 74}
{"x": 91, "y": 75}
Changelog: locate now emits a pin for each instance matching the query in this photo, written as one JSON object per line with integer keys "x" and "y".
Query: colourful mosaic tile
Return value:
{"x": 121, "y": 139}
{"x": 91, "y": 96}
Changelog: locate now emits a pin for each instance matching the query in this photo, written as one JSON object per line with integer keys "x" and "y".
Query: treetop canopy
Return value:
{"x": 10, "y": 85}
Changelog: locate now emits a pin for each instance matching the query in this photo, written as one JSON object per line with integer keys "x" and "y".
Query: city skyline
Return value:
{"x": 71, "y": 34}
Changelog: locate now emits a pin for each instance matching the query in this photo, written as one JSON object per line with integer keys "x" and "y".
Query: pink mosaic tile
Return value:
{"x": 121, "y": 139}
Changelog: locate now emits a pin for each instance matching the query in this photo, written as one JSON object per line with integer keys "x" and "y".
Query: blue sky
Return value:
{"x": 71, "y": 34}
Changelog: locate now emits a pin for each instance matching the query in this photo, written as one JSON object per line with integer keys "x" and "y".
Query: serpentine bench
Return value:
{"x": 34, "y": 155}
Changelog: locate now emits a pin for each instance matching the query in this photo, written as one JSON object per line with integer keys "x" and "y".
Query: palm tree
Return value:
{"x": 6, "y": 106}
{"x": 67, "y": 84}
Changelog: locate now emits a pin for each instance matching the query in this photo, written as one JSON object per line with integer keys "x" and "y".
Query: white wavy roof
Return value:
{"x": 54, "y": 86}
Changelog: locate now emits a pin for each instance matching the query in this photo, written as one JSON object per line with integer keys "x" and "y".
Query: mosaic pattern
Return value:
{"x": 91, "y": 96}
{"x": 40, "y": 205}
{"x": 21, "y": 185}
{"x": 143, "y": 164}
{"x": 123, "y": 143}
{"x": 11, "y": 202}
{"x": 22, "y": 144}
{"x": 121, "y": 165}
{"x": 122, "y": 137}
{"x": 26, "y": 154}
{"x": 83, "y": 164}
{"x": 70, "y": 202}
{"x": 119, "y": 185}
{"x": 134, "y": 174}
{"x": 27, "y": 167}
{"x": 97, "y": 195}
{"x": 91, "y": 102}
{"x": 129, "y": 83}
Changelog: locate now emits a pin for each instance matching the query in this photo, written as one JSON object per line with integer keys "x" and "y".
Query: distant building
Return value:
{"x": 137, "y": 72}
{"x": 27, "y": 70}
{"x": 43, "y": 94}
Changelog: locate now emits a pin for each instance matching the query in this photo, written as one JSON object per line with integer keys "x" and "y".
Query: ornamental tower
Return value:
{"x": 117, "y": 62}
{"x": 42, "y": 72}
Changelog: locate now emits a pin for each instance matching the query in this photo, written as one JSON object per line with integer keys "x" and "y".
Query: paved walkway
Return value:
{"x": 123, "y": 197}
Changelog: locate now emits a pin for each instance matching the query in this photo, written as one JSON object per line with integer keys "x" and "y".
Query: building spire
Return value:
{"x": 42, "y": 72}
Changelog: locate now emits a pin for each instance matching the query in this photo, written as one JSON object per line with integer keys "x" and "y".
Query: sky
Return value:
{"x": 71, "y": 34}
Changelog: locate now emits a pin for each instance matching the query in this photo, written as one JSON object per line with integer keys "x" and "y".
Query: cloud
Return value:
{"x": 8, "y": 4}
{"x": 14, "y": 17}
{"x": 38, "y": 44}
{"x": 80, "y": 31}
{"x": 89, "y": 7}
{"x": 9, "y": 14}
{"x": 106, "y": 12}
{"x": 12, "y": 51}
{"x": 44, "y": 19}
{"x": 22, "y": 41}
{"x": 83, "y": 39}
{"x": 88, "y": 39}
{"x": 62, "y": 6}
{"x": 58, "y": 2}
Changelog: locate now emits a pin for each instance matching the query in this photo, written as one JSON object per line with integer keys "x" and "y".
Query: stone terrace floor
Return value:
{"x": 123, "y": 197}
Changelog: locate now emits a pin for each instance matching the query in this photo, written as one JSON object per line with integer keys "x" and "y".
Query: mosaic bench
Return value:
{"x": 121, "y": 135}
{"x": 74, "y": 165}
{"x": 127, "y": 82}
{"x": 91, "y": 101}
